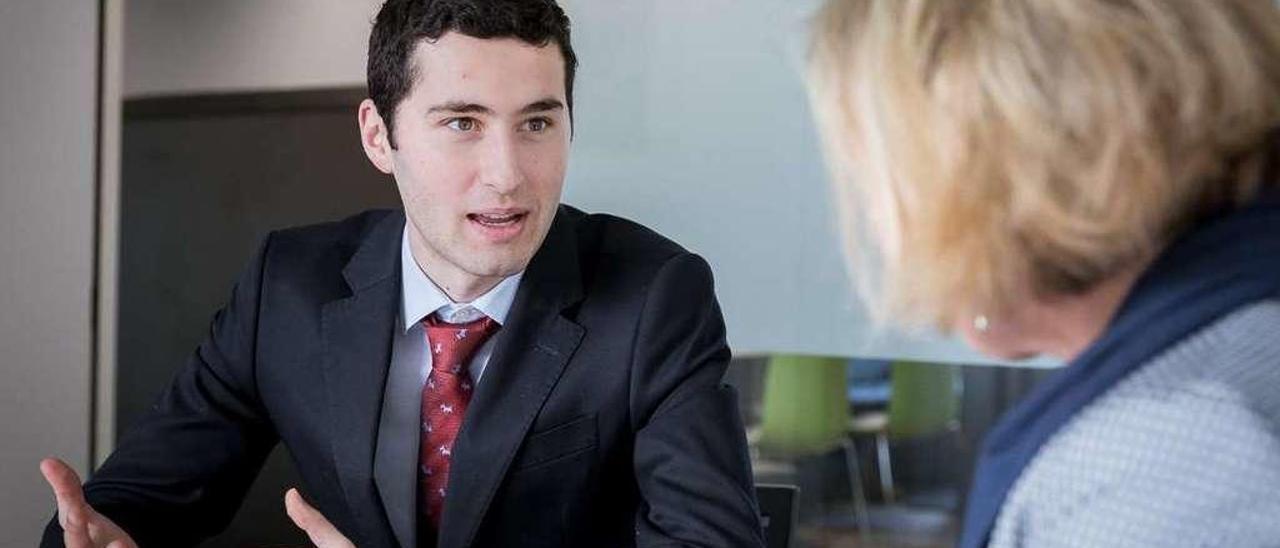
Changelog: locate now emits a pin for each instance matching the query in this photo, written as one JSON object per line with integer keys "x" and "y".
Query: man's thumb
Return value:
{"x": 322, "y": 533}
{"x": 64, "y": 481}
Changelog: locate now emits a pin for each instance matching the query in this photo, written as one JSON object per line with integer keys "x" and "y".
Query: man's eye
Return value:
{"x": 462, "y": 124}
{"x": 538, "y": 125}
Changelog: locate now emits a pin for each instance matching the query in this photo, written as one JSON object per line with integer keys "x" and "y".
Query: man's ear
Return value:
{"x": 374, "y": 136}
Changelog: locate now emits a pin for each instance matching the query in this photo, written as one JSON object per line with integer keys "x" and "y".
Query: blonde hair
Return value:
{"x": 985, "y": 149}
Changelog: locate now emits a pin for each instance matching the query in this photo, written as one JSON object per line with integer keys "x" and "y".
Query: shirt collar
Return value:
{"x": 420, "y": 296}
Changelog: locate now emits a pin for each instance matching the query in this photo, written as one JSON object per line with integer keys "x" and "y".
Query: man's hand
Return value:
{"x": 82, "y": 527}
{"x": 322, "y": 533}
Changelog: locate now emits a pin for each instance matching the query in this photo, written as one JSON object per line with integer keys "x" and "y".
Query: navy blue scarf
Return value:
{"x": 1220, "y": 266}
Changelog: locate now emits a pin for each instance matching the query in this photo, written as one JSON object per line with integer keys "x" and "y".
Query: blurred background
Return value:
{"x": 148, "y": 145}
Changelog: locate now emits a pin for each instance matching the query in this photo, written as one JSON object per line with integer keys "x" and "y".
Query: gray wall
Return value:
{"x": 48, "y": 56}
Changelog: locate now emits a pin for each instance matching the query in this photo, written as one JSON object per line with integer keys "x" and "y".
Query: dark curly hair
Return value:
{"x": 400, "y": 24}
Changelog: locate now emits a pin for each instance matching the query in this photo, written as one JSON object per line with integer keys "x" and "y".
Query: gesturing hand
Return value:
{"x": 82, "y": 527}
{"x": 322, "y": 533}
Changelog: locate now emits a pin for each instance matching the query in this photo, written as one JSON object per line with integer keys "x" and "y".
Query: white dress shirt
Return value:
{"x": 420, "y": 297}
{"x": 396, "y": 455}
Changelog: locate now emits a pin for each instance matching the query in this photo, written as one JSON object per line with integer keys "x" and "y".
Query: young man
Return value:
{"x": 486, "y": 368}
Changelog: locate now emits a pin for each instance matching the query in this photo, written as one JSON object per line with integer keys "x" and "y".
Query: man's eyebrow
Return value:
{"x": 460, "y": 107}
{"x": 542, "y": 106}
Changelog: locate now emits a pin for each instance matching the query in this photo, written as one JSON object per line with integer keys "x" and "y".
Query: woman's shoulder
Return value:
{"x": 1232, "y": 362}
{"x": 1217, "y": 388}
{"x": 1169, "y": 452}
{"x": 1220, "y": 384}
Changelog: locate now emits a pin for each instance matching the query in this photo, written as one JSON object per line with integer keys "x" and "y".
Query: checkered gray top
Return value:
{"x": 1183, "y": 452}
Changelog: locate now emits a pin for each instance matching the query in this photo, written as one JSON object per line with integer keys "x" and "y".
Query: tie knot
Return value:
{"x": 453, "y": 344}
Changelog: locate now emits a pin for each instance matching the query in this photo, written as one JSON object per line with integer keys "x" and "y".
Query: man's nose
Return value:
{"x": 501, "y": 165}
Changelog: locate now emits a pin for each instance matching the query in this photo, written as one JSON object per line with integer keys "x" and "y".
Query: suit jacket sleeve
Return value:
{"x": 691, "y": 461}
{"x": 182, "y": 471}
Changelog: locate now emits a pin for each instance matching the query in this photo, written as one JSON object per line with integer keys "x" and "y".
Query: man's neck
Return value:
{"x": 462, "y": 289}
{"x": 459, "y": 286}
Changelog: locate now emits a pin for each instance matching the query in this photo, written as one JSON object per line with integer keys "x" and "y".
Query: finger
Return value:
{"x": 312, "y": 522}
{"x": 64, "y": 481}
{"x": 73, "y": 511}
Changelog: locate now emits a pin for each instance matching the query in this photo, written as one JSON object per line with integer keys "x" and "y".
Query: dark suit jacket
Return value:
{"x": 601, "y": 421}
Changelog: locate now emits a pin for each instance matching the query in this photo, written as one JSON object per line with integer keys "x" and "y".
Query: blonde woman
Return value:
{"x": 1091, "y": 180}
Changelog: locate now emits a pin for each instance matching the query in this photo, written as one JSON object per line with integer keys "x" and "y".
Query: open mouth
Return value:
{"x": 497, "y": 220}
{"x": 499, "y": 226}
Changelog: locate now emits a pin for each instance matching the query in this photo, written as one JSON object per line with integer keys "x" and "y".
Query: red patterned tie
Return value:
{"x": 444, "y": 402}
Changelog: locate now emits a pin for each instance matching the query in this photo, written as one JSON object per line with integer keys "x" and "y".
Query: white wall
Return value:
{"x": 691, "y": 118}
{"x": 48, "y": 53}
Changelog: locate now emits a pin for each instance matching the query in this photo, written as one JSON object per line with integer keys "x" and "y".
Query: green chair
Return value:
{"x": 806, "y": 413}
{"x": 924, "y": 401}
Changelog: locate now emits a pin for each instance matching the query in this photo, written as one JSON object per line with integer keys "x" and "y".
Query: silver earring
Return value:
{"x": 981, "y": 324}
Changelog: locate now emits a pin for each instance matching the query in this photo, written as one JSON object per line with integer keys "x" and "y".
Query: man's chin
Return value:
{"x": 503, "y": 268}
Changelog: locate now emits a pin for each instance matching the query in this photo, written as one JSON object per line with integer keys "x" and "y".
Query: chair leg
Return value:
{"x": 855, "y": 487}
{"x": 885, "y": 466}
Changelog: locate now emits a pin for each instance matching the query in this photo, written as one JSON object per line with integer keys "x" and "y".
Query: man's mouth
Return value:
{"x": 497, "y": 220}
{"x": 499, "y": 226}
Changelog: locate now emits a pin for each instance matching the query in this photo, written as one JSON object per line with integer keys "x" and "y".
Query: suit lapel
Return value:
{"x": 531, "y": 353}
{"x": 357, "y": 333}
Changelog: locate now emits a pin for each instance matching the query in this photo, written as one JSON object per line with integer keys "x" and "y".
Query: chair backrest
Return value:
{"x": 806, "y": 410}
{"x": 924, "y": 400}
{"x": 779, "y": 513}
